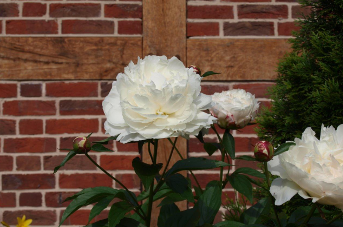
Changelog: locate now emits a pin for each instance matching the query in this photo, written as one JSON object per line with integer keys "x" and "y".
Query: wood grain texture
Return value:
{"x": 164, "y": 28}
{"x": 237, "y": 59}
{"x": 23, "y": 58}
{"x": 164, "y": 33}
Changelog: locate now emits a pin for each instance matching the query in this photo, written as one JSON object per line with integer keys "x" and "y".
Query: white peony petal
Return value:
{"x": 283, "y": 190}
{"x": 175, "y": 64}
{"x": 203, "y": 102}
{"x": 275, "y": 168}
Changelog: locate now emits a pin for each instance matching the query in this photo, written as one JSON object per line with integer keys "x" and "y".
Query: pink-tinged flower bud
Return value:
{"x": 264, "y": 151}
{"x": 81, "y": 144}
{"x": 195, "y": 69}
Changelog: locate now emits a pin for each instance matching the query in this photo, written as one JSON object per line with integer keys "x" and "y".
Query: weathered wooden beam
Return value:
{"x": 23, "y": 58}
{"x": 237, "y": 59}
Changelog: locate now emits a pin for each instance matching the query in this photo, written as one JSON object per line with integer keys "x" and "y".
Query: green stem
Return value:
{"x": 265, "y": 170}
{"x": 222, "y": 151}
{"x": 313, "y": 208}
{"x": 334, "y": 219}
{"x": 151, "y": 193}
{"x": 120, "y": 183}
{"x": 149, "y": 150}
{"x": 180, "y": 155}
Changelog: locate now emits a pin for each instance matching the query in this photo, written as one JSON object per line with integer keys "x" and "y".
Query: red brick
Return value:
{"x": 81, "y": 107}
{"x": 27, "y": 163}
{"x": 244, "y": 144}
{"x": 80, "y": 217}
{"x": 287, "y": 28}
{"x": 31, "y": 27}
{"x": 194, "y": 145}
{"x": 30, "y": 126}
{"x": 55, "y": 199}
{"x": 241, "y": 163}
{"x": 300, "y": 11}
{"x": 7, "y": 199}
{"x": 210, "y": 12}
{"x": 129, "y": 180}
{"x": 31, "y": 9}
{"x": 127, "y": 147}
{"x": 60, "y": 126}
{"x": 211, "y": 89}
{"x": 39, "y": 217}
{"x": 257, "y": 89}
{"x": 84, "y": 180}
{"x": 8, "y": 90}
{"x": 245, "y": 0}
{"x": 79, "y": 162}
{"x": 33, "y": 199}
{"x": 130, "y": 27}
{"x": 228, "y": 195}
{"x": 31, "y": 90}
{"x": 75, "y": 10}
{"x": 67, "y": 142}
{"x": 262, "y": 11}
{"x": 28, "y": 181}
{"x": 0, "y": 29}
{"x": 249, "y": 129}
{"x": 7, "y": 127}
{"x": 286, "y": 0}
{"x": 263, "y": 104}
{"x": 72, "y": 89}
{"x": 87, "y": 27}
{"x": 6, "y": 163}
{"x": 117, "y": 162}
{"x": 31, "y": 145}
{"x": 105, "y": 88}
{"x": 9, "y": 10}
{"x": 249, "y": 28}
{"x": 29, "y": 108}
{"x": 123, "y": 11}
{"x": 202, "y": 29}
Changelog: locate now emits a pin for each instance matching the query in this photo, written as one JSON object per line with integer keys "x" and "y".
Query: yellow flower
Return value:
{"x": 23, "y": 223}
{"x": 5, "y": 224}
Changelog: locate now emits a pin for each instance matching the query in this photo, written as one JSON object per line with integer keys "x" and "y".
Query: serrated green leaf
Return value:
{"x": 185, "y": 218}
{"x": 283, "y": 148}
{"x": 100, "y": 148}
{"x": 165, "y": 212}
{"x": 69, "y": 156}
{"x": 195, "y": 163}
{"x": 105, "y": 141}
{"x": 229, "y": 144}
{"x": 100, "y": 206}
{"x": 246, "y": 158}
{"x": 179, "y": 184}
{"x": 117, "y": 212}
{"x": 210, "y": 148}
{"x": 242, "y": 185}
{"x": 253, "y": 214}
{"x": 146, "y": 172}
{"x": 209, "y": 73}
{"x": 250, "y": 171}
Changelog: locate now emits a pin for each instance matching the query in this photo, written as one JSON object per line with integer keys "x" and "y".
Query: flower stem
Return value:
{"x": 265, "y": 170}
{"x": 116, "y": 180}
{"x": 222, "y": 151}
{"x": 149, "y": 150}
{"x": 334, "y": 219}
{"x": 151, "y": 193}
{"x": 313, "y": 208}
{"x": 180, "y": 155}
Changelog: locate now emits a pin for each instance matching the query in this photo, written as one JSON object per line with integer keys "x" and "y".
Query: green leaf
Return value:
{"x": 195, "y": 163}
{"x": 197, "y": 190}
{"x": 185, "y": 218}
{"x": 179, "y": 184}
{"x": 254, "y": 213}
{"x": 242, "y": 185}
{"x": 246, "y": 158}
{"x": 165, "y": 213}
{"x": 250, "y": 171}
{"x": 209, "y": 73}
{"x": 229, "y": 144}
{"x": 117, "y": 212}
{"x": 69, "y": 156}
{"x": 145, "y": 171}
{"x": 101, "y": 223}
{"x": 89, "y": 135}
{"x": 100, "y": 206}
{"x": 283, "y": 148}
{"x": 100, "y": 148}
{"x": 210, "y": 148}
{"x": 229, "y": 224}
{"x": 209, "y": 202}
{"x": 163, "y": 191}
{"x": 129, "y": 222}
{"x": 171, "y": 198}
{"x": 200, "y": 137}
{"x": 105, "y": 141}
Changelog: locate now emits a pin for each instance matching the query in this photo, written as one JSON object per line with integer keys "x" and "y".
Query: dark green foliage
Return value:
{"x": 309, "y": 88}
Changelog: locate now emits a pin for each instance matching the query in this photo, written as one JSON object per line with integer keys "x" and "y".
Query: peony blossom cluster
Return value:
{"x": 313, "y": 168}
{"x": 156, "y": 98}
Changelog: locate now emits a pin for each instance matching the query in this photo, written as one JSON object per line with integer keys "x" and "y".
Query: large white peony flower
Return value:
{"x": 312, "y": 168}
{"x": 234, "y": 108}
{"x": 156, "y": 98}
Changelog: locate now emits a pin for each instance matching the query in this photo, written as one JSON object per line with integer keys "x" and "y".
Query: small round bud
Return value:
{"x": 263, "y": 151}
{"x": 81, "y": 144}
{"x": 195, "y": 69}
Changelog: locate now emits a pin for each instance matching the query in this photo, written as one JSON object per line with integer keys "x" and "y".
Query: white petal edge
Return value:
{"x": 283, "y": 190}
{"x": 275, "y": 167}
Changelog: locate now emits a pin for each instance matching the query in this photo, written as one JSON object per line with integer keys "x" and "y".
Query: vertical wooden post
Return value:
{"x": 164, "y": 33}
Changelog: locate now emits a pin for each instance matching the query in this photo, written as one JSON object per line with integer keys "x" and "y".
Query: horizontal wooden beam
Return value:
{"x": 237, "y": 59}
{"x": 23, "y": 58}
